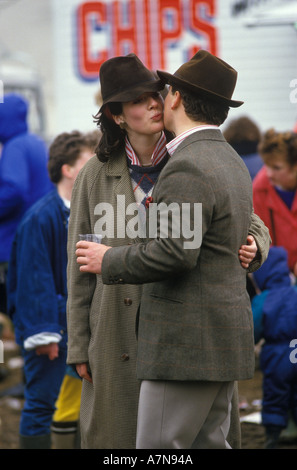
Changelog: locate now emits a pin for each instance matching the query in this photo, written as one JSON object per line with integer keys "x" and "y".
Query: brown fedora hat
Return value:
{"x": 206, "y": 75}
{"x": 124, "y": 78}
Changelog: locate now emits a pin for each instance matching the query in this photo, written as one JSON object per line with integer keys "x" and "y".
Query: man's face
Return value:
{"x": 167, "y": 110}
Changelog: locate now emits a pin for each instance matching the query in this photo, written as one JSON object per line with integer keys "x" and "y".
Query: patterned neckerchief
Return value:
{"x": 159, "y": 152}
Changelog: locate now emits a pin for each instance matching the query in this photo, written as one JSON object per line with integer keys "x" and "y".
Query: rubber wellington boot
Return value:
{"x": 35, "y": 442}
{"x": 272, "y": 436}
{"x": 65, "y": 435}
{"x": 65, "y": 441}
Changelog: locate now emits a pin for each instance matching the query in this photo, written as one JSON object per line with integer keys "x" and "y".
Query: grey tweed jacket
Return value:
{"x": 195, "y": 319}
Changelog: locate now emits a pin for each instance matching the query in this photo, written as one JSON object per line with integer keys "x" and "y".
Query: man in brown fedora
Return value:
{"x": 195, "y": 326}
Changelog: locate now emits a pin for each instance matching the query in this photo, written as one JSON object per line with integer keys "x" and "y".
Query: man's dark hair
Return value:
{"x": 202, "y": 109}
{"x": 65, "y": 149}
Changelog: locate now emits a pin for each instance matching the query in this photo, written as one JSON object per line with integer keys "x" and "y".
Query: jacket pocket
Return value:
{"x": 165, "y": 299}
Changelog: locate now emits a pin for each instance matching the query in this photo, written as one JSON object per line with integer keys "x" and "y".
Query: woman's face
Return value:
{"x": 143, "y": 115}
{"x": 281, "y": 174}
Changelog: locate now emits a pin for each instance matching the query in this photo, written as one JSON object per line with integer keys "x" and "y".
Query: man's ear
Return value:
{"x": 176, "y": 100}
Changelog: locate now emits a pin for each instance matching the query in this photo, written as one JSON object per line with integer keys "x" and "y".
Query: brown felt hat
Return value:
{"x": 124, "y": 78}
{"x": 205, "y": 75}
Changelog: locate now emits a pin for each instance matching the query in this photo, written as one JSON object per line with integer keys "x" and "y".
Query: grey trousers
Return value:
{"x": 184, "y": 415}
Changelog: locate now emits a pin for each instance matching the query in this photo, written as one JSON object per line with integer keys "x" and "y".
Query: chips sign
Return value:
{"x": 149, "y": 28}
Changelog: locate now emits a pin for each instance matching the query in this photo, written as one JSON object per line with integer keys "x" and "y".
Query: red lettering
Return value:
{"x": 199, "y": 25}
{"x": 147, "y": 35}
{"x": 170, "y": 26}
{"x": 89, "y": 15}
{"x": 147, "y": 27}
{"x": 124, "y": 31}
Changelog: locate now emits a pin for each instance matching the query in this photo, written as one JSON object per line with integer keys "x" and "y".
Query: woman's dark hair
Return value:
{"x": 113, "y": 136}
{"x": 65, "y": 149}
{"x": 202, "y": 109}
{"x": 278, "y": 145}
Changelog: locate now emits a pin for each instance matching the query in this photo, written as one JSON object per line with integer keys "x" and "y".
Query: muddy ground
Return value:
{"x": 250, "y": 393}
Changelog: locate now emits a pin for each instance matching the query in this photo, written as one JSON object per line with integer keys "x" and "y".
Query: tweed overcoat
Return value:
{"x": 195, "y": 319}
{"x": 101, "y": 319}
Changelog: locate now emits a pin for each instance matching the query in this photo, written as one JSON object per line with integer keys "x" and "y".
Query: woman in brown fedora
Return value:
{"x": 101, "y": 319}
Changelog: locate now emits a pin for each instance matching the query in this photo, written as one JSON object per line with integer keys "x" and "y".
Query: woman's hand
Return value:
{"x": 248, "y": 252}
{"x": 82, "y": 370}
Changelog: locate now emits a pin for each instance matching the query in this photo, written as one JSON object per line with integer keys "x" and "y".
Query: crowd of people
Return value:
{"x": 138, "y": 342}
{"x": 274, "y": 294}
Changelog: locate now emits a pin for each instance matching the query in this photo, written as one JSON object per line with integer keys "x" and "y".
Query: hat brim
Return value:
{"x": 173, "y": 79}
{"x": 131, "y": 94}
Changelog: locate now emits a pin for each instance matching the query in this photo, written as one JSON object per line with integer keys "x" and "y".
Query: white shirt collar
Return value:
{"x": 173, "y": 144}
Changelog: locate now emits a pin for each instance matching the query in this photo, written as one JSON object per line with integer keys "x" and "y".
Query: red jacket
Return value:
{"x": 280, "y": 220}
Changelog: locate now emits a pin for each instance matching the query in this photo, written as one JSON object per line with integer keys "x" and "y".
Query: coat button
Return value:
{"x": 125, "y": 357}
{"x": 128, "y": 301}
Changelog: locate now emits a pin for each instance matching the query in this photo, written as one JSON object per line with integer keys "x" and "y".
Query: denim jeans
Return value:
{"x": 43, "y": 379}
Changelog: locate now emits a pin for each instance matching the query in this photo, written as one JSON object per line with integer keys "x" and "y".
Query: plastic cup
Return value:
{"x": 90, "y": 237}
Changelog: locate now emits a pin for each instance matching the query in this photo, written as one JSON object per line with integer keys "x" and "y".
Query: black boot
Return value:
{"x": 35, "y": 442}
{"x": 272, "y": 436}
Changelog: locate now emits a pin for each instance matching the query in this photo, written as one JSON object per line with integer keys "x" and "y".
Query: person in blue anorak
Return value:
{"x": 275, "y": 320}
{"x": 23, "y": 175}
{"x": 37, "y": 290}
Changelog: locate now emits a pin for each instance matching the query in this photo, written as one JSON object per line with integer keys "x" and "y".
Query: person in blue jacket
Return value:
{"x": 37, "y": 290}
{"x": 23, "y": 175}
{"x": 244, "y": 135}
{"x": 275, "y": 320}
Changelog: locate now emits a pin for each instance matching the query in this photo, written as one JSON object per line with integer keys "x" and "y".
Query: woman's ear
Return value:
{"x": 107, "y": 112}
{"x": 119, "y": 120}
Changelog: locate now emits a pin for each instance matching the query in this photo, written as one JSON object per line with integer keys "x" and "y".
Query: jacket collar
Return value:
{"x": 203, "y": 134}
{"x": 117, "y": 164}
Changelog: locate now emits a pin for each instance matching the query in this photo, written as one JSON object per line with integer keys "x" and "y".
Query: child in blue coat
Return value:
{"x": 275, "y": 320}
{"x": 37, "y": 289}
